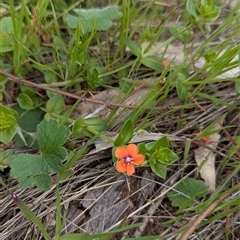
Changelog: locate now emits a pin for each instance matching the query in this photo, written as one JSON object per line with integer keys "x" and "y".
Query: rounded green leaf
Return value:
{"x": 8, "y": 124}
{"x": 184, "y": 194}
{"x": 149, "y": 146}
{"x": 159, "y": 169}
{"x": 94, "y": 125}
{"x": 153, "y": 63}
{"x": 50, "y": 77}
{"x": 114, "y": 158}
{"x": 25, "y": 101}
{"x": 125, "y": 134}
{"x": 142, "y": 148}
{"x": 78, "y": 127}
{"x": 192, "y": 9}
{"x": 55, "y": 104}
{"x": 5, "y": 158}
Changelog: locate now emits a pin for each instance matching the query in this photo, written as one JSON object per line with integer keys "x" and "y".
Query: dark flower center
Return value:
{"x": 128, "y": 159}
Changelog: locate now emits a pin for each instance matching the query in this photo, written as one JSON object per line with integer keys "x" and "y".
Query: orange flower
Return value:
{"x": 165, "y": 63}
{"x": 206, "y": 139}
{"x": 128, "y": 158}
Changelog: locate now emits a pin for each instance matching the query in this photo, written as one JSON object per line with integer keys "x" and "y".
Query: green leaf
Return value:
{"x": 5, "y": 158}
{"x": 8, "y": 124}
{"x": 192, "y": 9}
{"x": 55, "y": 162}
{"x": 72, "y": 21}
{"x": 158, "y": 168}
{"x": 208, "y": 11}
{"x": 43, "y": 181}
{"x": 149, "y": 146}
{"x": 93, "y": 19}
{"x": 152, "y": 62}
{"x": 50, "y": 77}
{"x": 182, "y": 90}
{"x": 155, "y": 146}
{"x": 55, "y": 104}
{"x": 51, "y": 136}
{"x": 31, "y": 170}
{"x": 31, "y": 92}
{"x": 94, "y": 125}
{"x": 182, "y": 75}
{"x": 27, "y": 122}
{"x": 172, "y": 157}
{"x": 142, "y": 148}
{"x": 125, "y": 134}
{"x": 181, "y": 33}
{"x": 25, "y": 101}
{"x": 114, "y": 158}
{"x": 102, "y": 80}
{"x": 78, "y": 127}
{"x": 183, "y": 195}
{"x": 134, "y": 47}
{"x": 6, "y": 31}
{"x": 59, "y": 5}
{"x": 210, "y": 55}
{"x": 164, "y": 156}
{"x": 25, "y": 139}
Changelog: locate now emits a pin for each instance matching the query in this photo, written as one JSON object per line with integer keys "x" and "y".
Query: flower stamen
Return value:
{"x": 128, "y": 159}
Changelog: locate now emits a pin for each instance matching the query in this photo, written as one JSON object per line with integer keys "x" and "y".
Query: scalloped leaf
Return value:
{"x": 183, "y": 195}
{"x": 93, "y": 19}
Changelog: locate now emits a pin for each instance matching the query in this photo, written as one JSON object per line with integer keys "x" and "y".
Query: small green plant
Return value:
{"x": 8, "y": 124}
{"x": 157, "y": 154}
{"x": 207, "y": 12}
{"x": 33, "y": 170}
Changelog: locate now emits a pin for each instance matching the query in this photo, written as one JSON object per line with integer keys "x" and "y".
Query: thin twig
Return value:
{"x": 67, "y": 94}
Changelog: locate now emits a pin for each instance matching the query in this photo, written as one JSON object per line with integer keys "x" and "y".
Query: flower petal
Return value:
{"x": 121, "y": 152}
{"x": 138, "y": 160}
{"x": 132, "y": 150}
{"x": 130, "y": 169}
{"x": 121, "y": 166}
